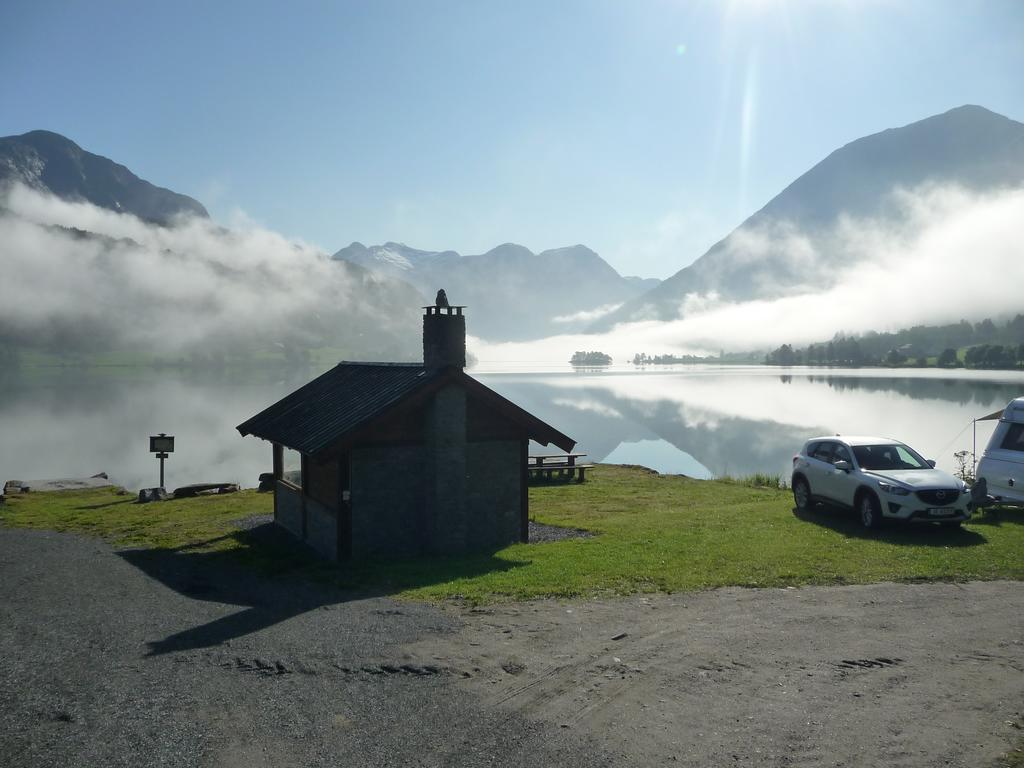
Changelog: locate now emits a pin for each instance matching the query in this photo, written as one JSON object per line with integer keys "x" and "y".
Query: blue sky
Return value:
{"x": 645, "y": 130}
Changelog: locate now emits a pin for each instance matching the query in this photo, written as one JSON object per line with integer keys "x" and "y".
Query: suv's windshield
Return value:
{"x": 891, "y": 456}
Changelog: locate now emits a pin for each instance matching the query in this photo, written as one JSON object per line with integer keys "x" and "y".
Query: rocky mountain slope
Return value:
{"x": 50, "y": 162}
{"x": 788, "y": 247}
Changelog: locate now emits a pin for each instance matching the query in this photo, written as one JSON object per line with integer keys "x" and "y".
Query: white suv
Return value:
{"x": 880, "y": 478}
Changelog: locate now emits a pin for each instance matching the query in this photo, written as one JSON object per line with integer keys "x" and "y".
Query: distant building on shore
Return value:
{"x": 397, "y": 459}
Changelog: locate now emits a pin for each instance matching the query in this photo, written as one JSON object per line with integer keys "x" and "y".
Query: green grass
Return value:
{"x": 756, "y": 480}
{"x": 654, "y": 533}
{"x": 201, "y": 522}
{"x": 1015, "y": 757}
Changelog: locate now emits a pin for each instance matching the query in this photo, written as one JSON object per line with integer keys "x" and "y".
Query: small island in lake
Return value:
{"x": 590, "y": 359}
{"x": 642, "y": 358}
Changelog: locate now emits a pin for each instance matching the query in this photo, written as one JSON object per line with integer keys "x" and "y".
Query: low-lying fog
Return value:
{"x": 951, "y": 255}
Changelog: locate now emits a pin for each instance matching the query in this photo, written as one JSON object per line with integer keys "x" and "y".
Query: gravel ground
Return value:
{"x": 540, "y": 532}
{"x": 128, "y": 658}
{"x": 121, "y": 657}
{"x": 914, "y": 675}
{"x": 253, "y": 521}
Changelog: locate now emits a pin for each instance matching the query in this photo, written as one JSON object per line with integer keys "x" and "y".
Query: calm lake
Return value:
{"x": 701, "y": 421}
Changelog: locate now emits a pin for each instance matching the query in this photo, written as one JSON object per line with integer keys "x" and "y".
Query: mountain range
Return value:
{"x": 515, "y": 294}
{"x": 969, "y": 146}
{"x": 512, "y": 292}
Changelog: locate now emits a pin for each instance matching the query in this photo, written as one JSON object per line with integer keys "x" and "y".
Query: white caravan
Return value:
{"x": 1002, "y": 464}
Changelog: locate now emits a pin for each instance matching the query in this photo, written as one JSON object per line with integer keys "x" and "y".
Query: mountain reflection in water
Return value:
{"x": 700, "y": 421}
{"x": 741, "y": 420}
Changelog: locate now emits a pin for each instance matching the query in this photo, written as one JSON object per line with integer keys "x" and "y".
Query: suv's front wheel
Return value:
{"x": 870, "y": 511}
{"x": 801, "y": 494}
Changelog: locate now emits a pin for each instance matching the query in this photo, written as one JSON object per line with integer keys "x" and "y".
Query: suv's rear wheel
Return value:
{"x": 870, "y": 511}
{"x": 801, "y": 494}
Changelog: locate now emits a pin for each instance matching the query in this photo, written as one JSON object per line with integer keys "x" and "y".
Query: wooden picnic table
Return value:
{"x": 556, "y": 458}
{"x": 565, "y": 464}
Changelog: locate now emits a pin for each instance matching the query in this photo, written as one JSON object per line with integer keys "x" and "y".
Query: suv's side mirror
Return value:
{"x": 843, "y": 466}
{"x": 931, "y": 463}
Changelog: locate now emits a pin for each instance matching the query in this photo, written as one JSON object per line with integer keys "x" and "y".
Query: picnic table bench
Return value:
{"x": 564, "y": 464}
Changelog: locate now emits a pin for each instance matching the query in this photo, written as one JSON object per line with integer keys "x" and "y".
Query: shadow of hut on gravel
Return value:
{"x": 848, "y": 524}
{"x": 276, "y": 578}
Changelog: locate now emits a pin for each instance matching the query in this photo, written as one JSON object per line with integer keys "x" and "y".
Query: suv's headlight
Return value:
{"x": 895, "y": 490}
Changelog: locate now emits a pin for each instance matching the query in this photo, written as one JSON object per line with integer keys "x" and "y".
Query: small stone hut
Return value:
{"x": 399, "y": 459}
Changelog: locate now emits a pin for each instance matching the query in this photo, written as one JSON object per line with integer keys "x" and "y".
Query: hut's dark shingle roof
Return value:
{"x": 335, "y": 403}
{"x": 351, "y": 395}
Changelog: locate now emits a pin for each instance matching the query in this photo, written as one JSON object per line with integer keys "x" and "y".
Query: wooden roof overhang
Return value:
{"x": 405, "y": 392}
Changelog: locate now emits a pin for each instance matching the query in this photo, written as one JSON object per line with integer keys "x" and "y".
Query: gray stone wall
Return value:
{"x": 389, "y": 490}
{"x": 288, "y": 509}
{"x": 446, "y": 462}
{"x": 321, "y": 529}
{"x": 493, "y": 494}
{"x": 442, "y": 496}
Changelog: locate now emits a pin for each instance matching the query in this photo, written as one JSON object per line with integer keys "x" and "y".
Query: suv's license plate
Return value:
{"x": 941, "y": 512}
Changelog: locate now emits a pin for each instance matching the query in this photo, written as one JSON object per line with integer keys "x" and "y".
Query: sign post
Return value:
{"x": 161, "y": 445}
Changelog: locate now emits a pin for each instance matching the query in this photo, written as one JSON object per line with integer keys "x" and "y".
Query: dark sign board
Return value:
{"x": 161, "y": 444}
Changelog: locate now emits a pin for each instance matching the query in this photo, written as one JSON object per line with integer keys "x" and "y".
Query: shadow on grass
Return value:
{"x": 996, "y": 516}
{"x": 126, "y": 500}
{"x": 277, "y": 578}
{"x": 847, "y": 523}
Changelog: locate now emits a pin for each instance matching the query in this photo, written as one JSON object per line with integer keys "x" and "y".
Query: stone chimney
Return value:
{"x": 444, "y": 335}
{"x": 444, "y": 346}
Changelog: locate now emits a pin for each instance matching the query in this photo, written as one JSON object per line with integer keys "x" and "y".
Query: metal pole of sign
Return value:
{"x": 161, "y": 456}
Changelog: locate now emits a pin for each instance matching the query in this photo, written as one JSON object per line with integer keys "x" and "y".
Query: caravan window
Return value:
{"x": 1014, "y": 440}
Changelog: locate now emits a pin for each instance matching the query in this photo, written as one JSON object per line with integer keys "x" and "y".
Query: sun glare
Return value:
{"x": 754, "y": 3}
{"x": 741, "y": 7}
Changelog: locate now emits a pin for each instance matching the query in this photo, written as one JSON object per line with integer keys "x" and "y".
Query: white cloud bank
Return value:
{"x": 587, "y": 315}
{"x": 954, "y": 254}
{"x": 169, "y": 290}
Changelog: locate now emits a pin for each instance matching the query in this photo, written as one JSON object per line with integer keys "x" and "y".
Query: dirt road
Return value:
{"x": 128, "y": 658}
{"x": 895, "y": 675}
